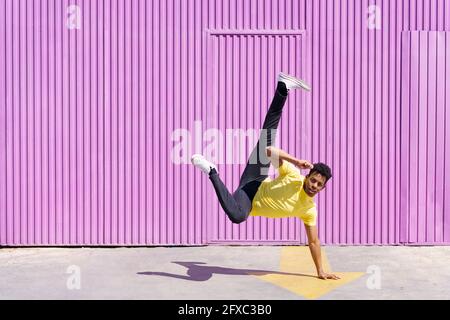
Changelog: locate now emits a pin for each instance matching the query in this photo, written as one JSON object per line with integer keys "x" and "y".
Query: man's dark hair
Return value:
{"x": 323, "y": 169}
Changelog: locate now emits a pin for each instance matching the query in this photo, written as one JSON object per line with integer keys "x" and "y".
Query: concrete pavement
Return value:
{"x": 223, "y": 272}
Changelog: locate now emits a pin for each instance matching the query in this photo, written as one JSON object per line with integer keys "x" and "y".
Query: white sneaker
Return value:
{"x": 200, "y": 162}
{"x": 292, "y": 82}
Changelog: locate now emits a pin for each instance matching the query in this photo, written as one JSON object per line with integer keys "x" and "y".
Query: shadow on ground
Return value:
{"x": 198, "y": 271}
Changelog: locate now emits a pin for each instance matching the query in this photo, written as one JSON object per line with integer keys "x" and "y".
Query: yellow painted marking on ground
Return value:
{"x": 298, "y": 274}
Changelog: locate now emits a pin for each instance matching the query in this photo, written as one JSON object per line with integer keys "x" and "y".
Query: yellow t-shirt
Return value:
{"x": 284, "y": 197}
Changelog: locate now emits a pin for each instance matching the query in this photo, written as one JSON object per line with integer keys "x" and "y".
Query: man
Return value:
{"x": 288, "y": 195}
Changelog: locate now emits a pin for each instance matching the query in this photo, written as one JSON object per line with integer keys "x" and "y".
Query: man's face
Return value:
{"x": 314, "y": 183}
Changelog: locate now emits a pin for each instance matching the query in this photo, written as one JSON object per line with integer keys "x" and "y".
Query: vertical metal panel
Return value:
{"x": 373, "y": 121}
{"x": 424, "y": 137}
{"x": 3, "y": 125}
{"x": 88, "y": 116}
{"x": 246, "y": 64}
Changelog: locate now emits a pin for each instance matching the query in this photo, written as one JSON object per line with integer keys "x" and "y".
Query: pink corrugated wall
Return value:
{"x": 87, "y": 116}
{"x": 425, "y": 118}
{"x": 243, "y": 67}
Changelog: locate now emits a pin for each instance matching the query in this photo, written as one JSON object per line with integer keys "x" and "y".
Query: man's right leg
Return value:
{"x": 237, "y": 206}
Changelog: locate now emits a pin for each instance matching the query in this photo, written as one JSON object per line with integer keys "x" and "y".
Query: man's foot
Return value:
{"x": 292, "y": 82}
{"x": 200, "y": 162}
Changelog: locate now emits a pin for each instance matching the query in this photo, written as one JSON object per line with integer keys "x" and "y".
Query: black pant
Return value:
{"x": 239, "y": 204}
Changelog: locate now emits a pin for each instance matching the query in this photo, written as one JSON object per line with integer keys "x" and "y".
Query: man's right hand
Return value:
{"x": 303, "y": 164}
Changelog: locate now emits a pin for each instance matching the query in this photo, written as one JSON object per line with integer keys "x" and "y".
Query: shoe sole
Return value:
{"x": 196, "y": 156}
{"x": 298, "y": 82}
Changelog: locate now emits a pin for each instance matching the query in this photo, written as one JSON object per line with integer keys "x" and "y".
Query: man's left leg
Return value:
{"x": 238, "y": 205}
{"x": 258, "y": 163}
{"x": 257, "y": 167}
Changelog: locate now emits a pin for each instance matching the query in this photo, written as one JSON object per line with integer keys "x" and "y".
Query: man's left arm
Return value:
{"x": 314, "y": 247}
